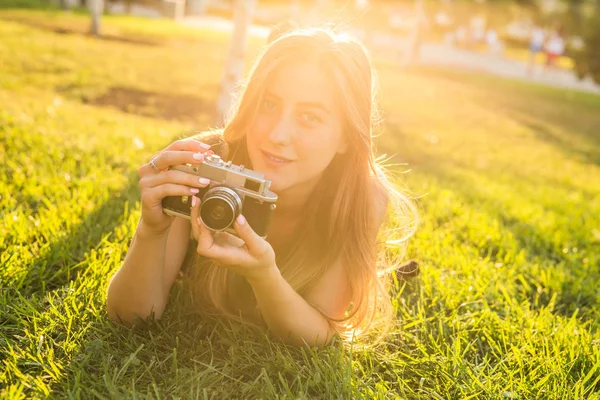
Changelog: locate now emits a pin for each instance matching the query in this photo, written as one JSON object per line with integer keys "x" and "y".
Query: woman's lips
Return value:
{"x": 275, "y": 159}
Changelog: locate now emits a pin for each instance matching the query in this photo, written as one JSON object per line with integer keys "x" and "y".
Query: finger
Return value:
{"x": 154, "y": 196}
{"x": 226, "y": 255}
{"x": 189, "y": 146}
{"x": 174, "y": 176}
{"x": 226, "y": 239}
{"x": 218, "y": 252}
{"x": 173, "y": 157}
{"x": 194, "y": 218}
{"x": 192, "y": 145}
{"x": 166, "y": 159}
{"x": 257, "y": 246}
{"x": 205, "y": 239}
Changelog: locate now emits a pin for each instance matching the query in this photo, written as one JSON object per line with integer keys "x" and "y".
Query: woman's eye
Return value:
{"x": 269, "y": 105}
{"x": 309, "y": 117}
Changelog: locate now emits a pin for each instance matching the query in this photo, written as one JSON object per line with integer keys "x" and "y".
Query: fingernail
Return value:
{"x": 204, "y": 181}
{"x": 198, "y": 156}
{"x": 205, "y": 146}
{"x": 194, "y": 201}
{"x": 210, "y": 153}
{"x": 241, "y": 220}
{"x": 194, "y": 190}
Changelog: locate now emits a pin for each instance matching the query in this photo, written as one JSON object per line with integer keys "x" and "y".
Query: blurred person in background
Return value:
{"x": 461, "y": 36}
{"x": 477, "y": 30}
{"x": 494, "y": 45}
{"x": 536, "y": 45}
{"x": 555, "y": 48}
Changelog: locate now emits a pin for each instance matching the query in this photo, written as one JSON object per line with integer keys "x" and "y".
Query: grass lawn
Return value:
{"x": 507, "y": 177}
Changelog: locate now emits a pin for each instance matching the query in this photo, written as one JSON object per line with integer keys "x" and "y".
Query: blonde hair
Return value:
{"x": 354, "y": 187}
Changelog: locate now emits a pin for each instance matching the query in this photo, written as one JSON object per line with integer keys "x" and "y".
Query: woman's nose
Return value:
{"x": 283, "y": 132}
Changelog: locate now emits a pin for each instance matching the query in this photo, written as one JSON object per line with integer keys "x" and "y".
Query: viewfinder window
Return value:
{"x": 252, "y": 185}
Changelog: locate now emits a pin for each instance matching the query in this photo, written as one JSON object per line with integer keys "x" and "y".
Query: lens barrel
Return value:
{"x": 220, "y": 206}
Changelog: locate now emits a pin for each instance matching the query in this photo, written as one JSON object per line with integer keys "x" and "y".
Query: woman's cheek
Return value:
{"x": 258, "y": 129}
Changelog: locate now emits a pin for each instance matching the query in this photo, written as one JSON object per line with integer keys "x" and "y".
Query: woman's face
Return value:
{"x": 298, "y": 128}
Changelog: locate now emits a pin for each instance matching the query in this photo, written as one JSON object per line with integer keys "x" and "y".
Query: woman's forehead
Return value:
{"x": 303, "y": 82}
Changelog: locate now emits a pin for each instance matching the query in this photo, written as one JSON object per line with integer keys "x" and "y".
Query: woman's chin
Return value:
{"x": 279, "y": 181}
{"x": 277, "y": 187}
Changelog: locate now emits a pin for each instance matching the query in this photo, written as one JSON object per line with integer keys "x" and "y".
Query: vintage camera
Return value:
{"x": 233, "y": 190}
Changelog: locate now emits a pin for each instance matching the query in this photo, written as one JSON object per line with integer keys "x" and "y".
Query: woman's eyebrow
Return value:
{"x": 315, "y": 105}
{"x": 273, "y": 95}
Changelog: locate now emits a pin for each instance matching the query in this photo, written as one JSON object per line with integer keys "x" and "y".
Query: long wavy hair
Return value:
{"x": 347, "y": 208}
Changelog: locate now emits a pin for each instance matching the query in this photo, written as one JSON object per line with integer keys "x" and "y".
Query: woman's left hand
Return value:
{"x": 248, "y": 254}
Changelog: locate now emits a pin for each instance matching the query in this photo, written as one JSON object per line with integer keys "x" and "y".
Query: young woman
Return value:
{"x": 304, "y": 120}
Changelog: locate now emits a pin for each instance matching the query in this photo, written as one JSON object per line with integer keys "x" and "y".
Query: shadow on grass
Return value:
{"x": 166, "y": 106}
{"x": 61, "y": 262}
{"x": 48, "y": 26}
{"x": 28, "y": 4}
{"x": 538, "y": 247}
{"x": 565, "y": 118}
{"x": 590, "y": 152}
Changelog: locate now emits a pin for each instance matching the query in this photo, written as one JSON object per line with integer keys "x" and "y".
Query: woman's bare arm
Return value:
{"x": 142, "y": 284}
{"x": 297, "y": 320}
{"x": 300, "y": 320}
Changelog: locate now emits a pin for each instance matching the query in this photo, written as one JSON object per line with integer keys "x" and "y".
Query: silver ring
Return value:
{"x": 152, "y": 162}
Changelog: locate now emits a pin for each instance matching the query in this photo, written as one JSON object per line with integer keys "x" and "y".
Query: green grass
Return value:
{"x": 507, "y": 304}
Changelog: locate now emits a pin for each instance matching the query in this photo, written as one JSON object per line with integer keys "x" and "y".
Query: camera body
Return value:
{"x": 233, "y": 190}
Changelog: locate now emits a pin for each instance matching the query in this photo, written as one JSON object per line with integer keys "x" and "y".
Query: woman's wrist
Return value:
{"x": 266, "y": 279}
{"x": 144, "y": 232}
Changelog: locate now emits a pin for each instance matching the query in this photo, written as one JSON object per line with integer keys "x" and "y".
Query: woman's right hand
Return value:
{"x": 158, "y": 181}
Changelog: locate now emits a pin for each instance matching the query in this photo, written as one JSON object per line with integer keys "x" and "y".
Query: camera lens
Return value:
{"x": 218, "y": 212}
{"x": 220, "y": 207}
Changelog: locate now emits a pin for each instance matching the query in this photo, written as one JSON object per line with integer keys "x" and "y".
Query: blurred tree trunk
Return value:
{"x": 197, "y": 7}
{"x": 574, "y": 18}
{"x": 96, "y": 8}
{"x": 592, "y": 46}
{"x": 416, "y": 38}
{"x": 234, "y": 66}
{"x": 587, "y": 57}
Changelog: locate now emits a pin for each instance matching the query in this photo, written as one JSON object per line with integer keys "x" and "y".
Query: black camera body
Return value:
{"x": 233, "y": 190}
